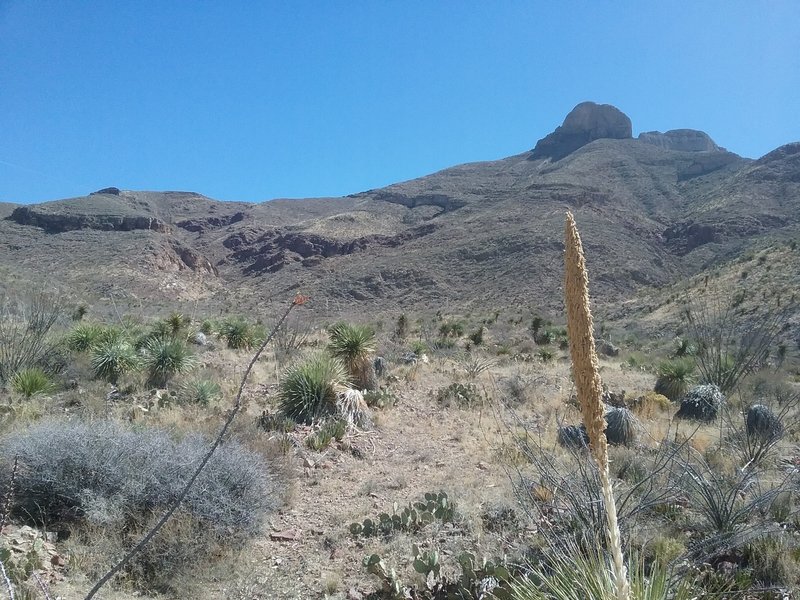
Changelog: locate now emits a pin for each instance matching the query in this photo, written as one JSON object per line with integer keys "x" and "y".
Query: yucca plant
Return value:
{"x": 165, "y": 357}
{"x": 30, "y": 382}
{"x": 354, "y": 346}
{"x": 310, "y": 389}
{"x": 674, "y": 378}
{"x": 113, "y": 358}
{"x": 200, "y": 391}
{"x": 177, "y": 322}
{"x": 238, "y": 334}
{"x": 84, "y": 336}
{"x": 581, "y": 574}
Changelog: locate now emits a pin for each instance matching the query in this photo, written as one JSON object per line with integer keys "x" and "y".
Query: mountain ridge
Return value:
{"x": 477, "y": 234}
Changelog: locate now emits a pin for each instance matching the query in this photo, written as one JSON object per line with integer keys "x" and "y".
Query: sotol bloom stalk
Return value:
{"x": 590, "y": 388}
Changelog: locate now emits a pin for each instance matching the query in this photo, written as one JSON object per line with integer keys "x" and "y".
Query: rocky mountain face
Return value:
{"x": 651, "y": 210}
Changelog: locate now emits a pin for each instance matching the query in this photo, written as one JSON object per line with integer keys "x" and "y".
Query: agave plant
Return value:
{"x": 354, "y": 346}
{"x": 674, "y": 378}
{"x": 113, "y": 358}
{"x": 165, "y": 357}
{"x": 310, "y": 389}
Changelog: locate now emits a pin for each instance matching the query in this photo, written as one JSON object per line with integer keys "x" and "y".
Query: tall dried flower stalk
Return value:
{"x": 589, "y": 388}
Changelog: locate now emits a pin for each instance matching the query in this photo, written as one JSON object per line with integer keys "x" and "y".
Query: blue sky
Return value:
{"x": 259, "y": 100}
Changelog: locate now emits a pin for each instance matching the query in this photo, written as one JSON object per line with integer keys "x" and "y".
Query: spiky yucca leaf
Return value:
{"x": 200, "y": 391}
{"x": 578, "y": 574}
{"x": 354, "y": 346}
{"x": 309, "y": 390}
{"x": 84, "y": 336}
{"x": 113, "y": 358}
{"x": 674, "y": 378}
{"x": 238, "y": 334}
{"x": 165, "y": 357}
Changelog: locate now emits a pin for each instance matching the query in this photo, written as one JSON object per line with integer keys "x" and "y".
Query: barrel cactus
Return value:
{"x": 763, "y": 424}
{"x": 701, "y": 403}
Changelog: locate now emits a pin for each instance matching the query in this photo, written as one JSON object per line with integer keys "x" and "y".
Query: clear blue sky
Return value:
{"x": 258, "y": 100}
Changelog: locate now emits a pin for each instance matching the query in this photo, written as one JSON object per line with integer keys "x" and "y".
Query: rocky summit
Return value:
{"x": 585, "y": 123}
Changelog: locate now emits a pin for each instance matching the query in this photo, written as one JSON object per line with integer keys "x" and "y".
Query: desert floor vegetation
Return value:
{"x": 423, "y": 456}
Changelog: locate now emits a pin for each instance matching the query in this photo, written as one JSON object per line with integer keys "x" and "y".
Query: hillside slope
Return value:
{"x": 652, "y": 210}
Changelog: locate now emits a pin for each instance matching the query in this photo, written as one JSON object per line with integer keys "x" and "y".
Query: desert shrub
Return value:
{"x": 237, "y": 333}
{"x": 30, "y": 382}
{"x": 732, "y": 342}
{"x": 290, "y": 337}
{"x": 476, "y": 337}
{"x": 545, "y": 355}
{"x": 419, "y": 347}
{"x": 200, "y": 391}
{"x": 165, "y": 357}
{"x": 451, "y": 329}
{"x": 463, "y": 395}
{"x": 105, "y": 473}
{"x": 354, "y": 346}
{"x": 674, "y": 378}
{"x": 114, "y": 358}
{"x": 115, "y": 482}
{"x": 622, "y": 427}
{"x": 25, "y": 326}
{"x": 207, "y": 327}
{"x": 650, "y": 403}
{"x": 309, "y": 390}
{"x": 401, "y": 327}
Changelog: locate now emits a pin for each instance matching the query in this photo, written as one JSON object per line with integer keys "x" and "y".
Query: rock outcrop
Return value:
{"x": 59, "y": 222}
{"x": 585, "y": 123}
{"x": 681, "y": 140}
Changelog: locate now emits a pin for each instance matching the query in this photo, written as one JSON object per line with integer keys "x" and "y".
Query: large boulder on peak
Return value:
{"x": 585, "y": 123}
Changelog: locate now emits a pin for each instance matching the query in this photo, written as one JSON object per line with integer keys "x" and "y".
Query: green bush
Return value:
{"x": 238, "y": 334}
{"x": 30, "y": 382}
{"x": 165, "y": 357}
{"x": 674, "y": 378}
{"x": 354, "y": 346}
{"x": 113, "y": 358}
{"x": 309, "y": 390}
{"x": 84, "y": 336}
{"x": 200, "y": 391}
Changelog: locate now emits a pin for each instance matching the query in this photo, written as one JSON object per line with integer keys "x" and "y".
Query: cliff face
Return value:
{"x": 585, "y": 123}
{"x": 55, "y": 222}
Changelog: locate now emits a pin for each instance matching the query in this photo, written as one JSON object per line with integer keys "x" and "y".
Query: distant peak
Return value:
{"x": 111, "y": 191}
{"x": 681, "y": 140}
{"x": 585, "y": 123}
